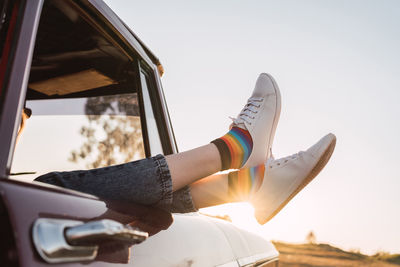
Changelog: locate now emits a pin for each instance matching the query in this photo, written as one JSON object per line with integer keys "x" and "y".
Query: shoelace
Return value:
{"x": 247, "y": 113}
{"x": 277, "y": 162}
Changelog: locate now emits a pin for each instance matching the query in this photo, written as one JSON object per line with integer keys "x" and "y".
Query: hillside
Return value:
{"x": 318, "y": 255}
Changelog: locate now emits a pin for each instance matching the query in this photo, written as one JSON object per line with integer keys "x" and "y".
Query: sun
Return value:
{"x": 241, "y": 214}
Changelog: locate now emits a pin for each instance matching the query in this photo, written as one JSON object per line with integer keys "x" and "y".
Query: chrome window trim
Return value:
{"x": 259, "y": 259}
{"x": 229, "y": 264}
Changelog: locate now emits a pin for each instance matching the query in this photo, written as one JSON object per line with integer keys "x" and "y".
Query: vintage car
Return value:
{"x": 93, "y": 93}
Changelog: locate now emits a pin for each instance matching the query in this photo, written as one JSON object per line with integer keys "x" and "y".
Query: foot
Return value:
{"x": 249, "y": 141}
{"x": 284, "y": 178}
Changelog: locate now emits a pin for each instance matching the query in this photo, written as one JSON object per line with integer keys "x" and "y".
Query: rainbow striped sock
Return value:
{"x": 244, "y": 182}
{"x": 235, "y": 148}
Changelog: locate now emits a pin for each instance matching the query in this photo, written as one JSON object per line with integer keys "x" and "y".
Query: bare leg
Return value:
{"x": 187, "y": 167}
{"x": 210, "y": 191}
{"x": 197, "y": 168}
{"x": 215, "y": 190}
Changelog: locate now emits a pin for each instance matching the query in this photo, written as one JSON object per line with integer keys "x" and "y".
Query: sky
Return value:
{"x": 337, "y": 64}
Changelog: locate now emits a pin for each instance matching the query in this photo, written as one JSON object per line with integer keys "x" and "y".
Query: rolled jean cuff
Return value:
{"x": 182, "y": 201}
{"x": 165, "y": 181}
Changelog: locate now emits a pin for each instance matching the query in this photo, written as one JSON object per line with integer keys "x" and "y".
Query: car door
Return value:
{"x": 82, "y": 83}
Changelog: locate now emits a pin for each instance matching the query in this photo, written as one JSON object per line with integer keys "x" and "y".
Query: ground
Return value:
{"x": 323, "y": 255}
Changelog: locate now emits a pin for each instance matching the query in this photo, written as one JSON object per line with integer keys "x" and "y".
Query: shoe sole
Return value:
{"x": 313, "y": 173}
{"x": 276, "y": 116}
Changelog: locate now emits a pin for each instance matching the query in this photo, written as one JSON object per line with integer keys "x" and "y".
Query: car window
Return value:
{"x": 83, "y": 97}
{"x": 79, "y": 133}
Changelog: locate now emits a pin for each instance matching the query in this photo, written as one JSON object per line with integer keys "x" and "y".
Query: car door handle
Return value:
{"x": 58, "y": 240}
{"x": 97, "y": 232}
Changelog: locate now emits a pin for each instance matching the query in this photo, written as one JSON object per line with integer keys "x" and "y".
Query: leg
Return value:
{"x": 210, "y": 191}
{"x": 268, "y": 187}
{"x": 187, "y": 167}
{"x": 229, "y": 187}
{"x": 246, "y": 145}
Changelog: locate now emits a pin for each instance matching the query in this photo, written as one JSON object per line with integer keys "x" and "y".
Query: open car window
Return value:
{"x": 84, "y": 98}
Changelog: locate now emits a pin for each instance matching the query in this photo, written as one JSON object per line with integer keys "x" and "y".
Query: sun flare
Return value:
{"x": 241, "y": 215}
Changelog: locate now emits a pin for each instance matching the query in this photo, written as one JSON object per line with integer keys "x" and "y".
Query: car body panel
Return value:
{"x": 37, "y": 200}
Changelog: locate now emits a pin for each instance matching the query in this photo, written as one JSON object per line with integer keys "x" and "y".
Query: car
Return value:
{"x": 93, "y": 95}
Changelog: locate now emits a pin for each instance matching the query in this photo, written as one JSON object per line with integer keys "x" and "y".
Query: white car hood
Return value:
{"x": 198, "y": 240}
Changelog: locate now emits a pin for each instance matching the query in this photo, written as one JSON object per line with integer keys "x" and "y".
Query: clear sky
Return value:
{"x": 338, "y": 67}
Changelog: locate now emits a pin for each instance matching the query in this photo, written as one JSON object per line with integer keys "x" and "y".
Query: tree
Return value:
{"x": 113, "y": 134}
{"x": 311, "y": 239}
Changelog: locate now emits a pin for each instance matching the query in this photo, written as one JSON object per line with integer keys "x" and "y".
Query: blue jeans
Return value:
{"x": 147, "y": 181}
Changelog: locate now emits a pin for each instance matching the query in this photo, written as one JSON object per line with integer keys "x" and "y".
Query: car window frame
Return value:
{"x": 99, "y": 16}
{"x": 15, "y": 85}
{"x": 157, "y": 108}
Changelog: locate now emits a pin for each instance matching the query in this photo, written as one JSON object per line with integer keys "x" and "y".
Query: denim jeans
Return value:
{"x": 147, "y": 181}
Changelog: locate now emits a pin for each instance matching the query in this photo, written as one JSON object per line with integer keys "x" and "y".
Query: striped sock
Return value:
{"x": 234, "y": 148}
{"x": 244, "y": 182}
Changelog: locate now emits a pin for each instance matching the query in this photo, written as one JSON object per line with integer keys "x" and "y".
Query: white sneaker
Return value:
{"x": 260, "y": 117}
{"x": 285, "y": 177}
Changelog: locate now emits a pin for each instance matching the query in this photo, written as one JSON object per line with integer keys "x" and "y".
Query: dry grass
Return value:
{"x": 323, "y": 255}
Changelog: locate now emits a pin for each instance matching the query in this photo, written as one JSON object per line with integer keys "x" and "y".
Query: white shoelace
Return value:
{"x": 247, "y": 113}
{"x": 277, "y": 162}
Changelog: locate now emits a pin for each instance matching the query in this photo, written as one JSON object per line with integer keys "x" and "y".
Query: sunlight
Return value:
{"x": 241, "y": 214}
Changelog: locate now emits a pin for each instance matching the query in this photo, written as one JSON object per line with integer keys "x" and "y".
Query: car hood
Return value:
{"x": 198, "y": 240}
